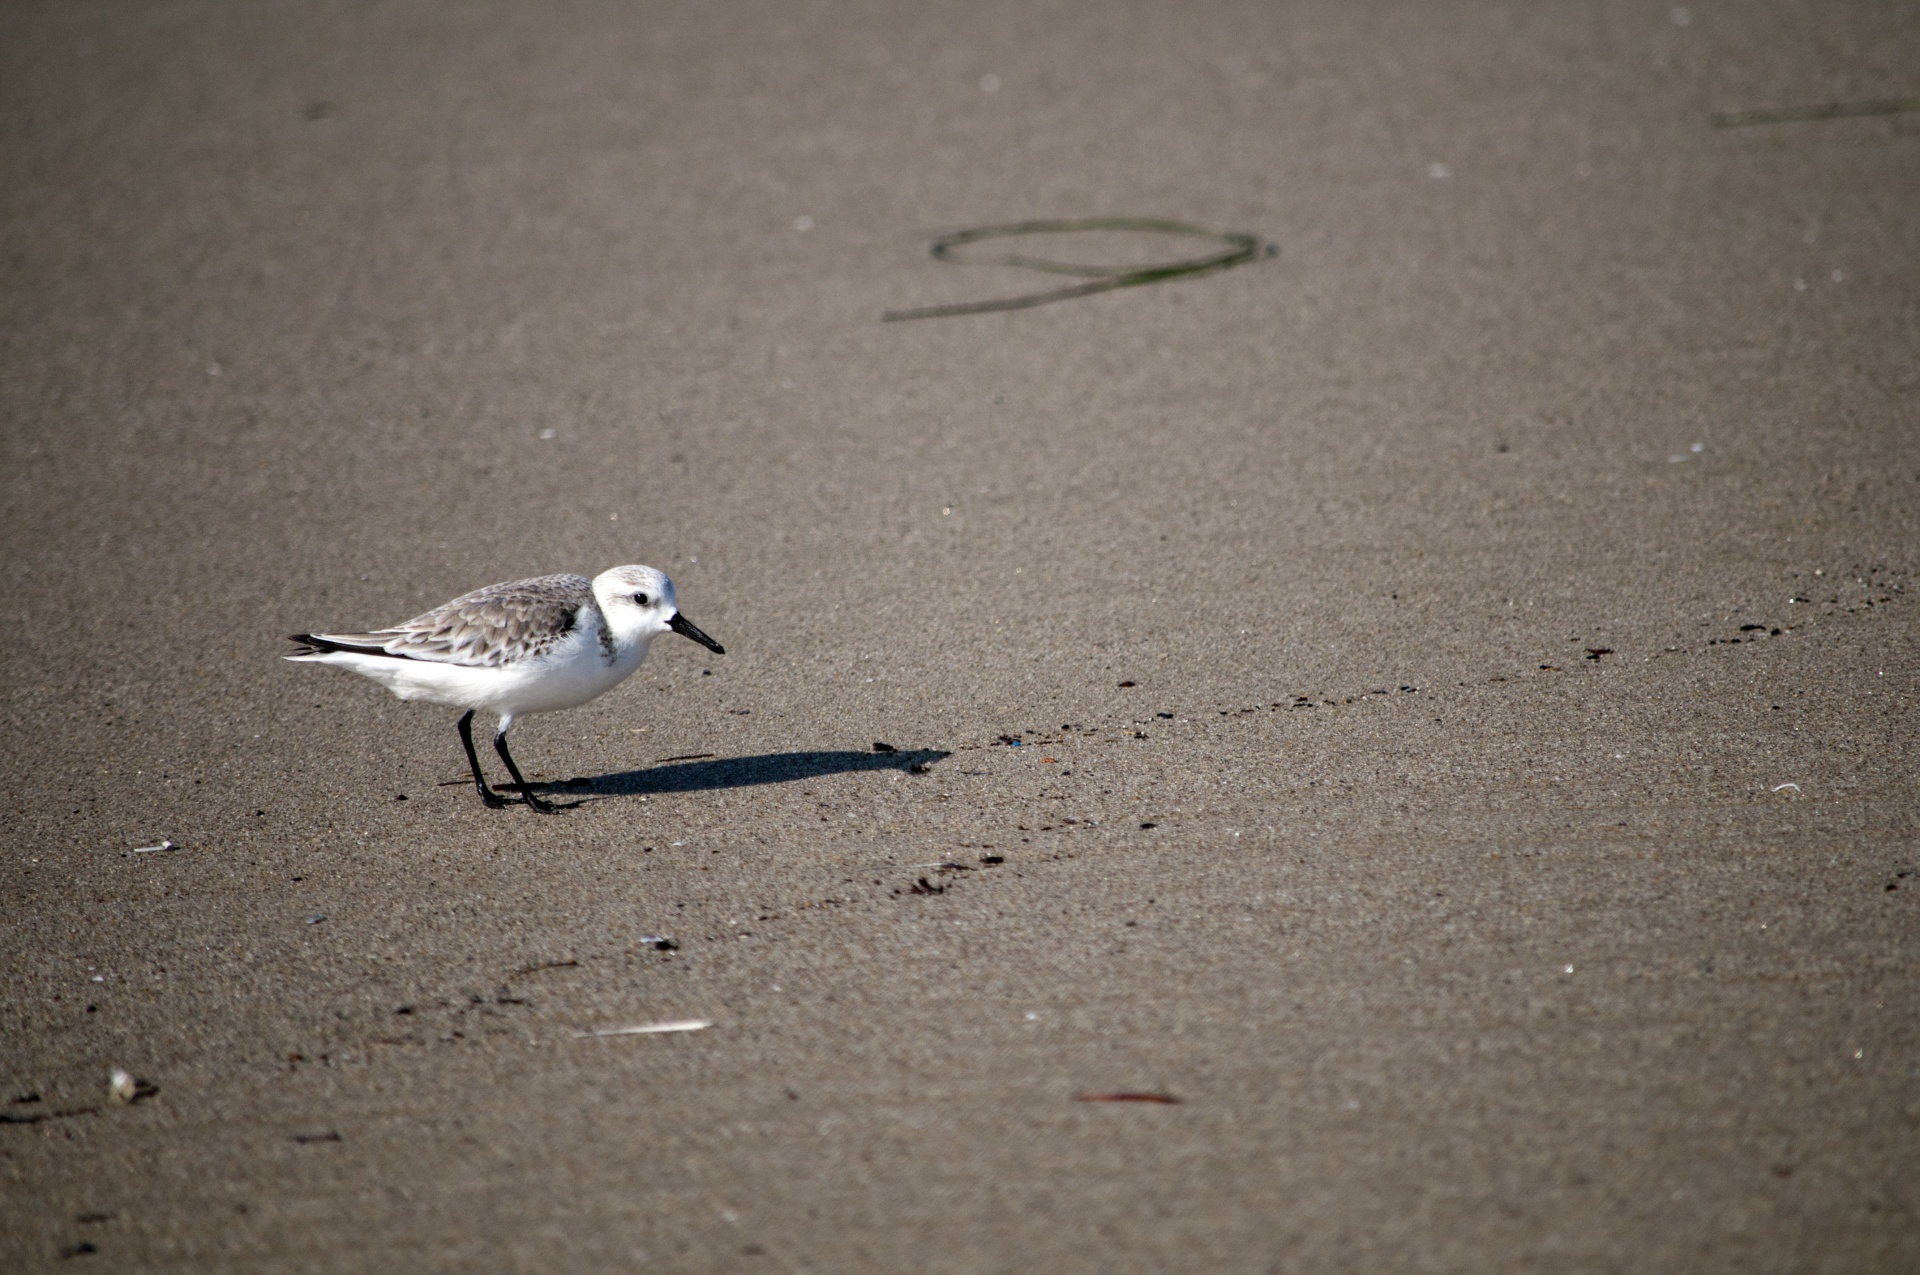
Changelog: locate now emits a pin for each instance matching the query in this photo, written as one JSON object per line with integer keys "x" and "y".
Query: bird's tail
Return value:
{"x": 312, "y": 645}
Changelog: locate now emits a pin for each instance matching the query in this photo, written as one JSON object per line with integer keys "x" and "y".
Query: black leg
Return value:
{"x": 526, "y": 793}
{"x": 487, "y": 794}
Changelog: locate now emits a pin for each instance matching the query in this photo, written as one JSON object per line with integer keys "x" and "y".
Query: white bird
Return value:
{"x": 526, "y": 646}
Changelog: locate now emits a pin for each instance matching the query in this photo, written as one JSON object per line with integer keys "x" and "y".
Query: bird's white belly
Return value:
{"x": 571, "y": 674}
{"x": 556, "y": 683}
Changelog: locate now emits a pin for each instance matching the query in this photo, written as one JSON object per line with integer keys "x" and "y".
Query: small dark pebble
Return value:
{"x": 1126, "y": 683}
{"x": 665, "y": 945}
{"x": 880, "y": 747}
{"x": 1595, "y": 652}
{"x": 991, "y": 859}
{"x": 1167, "y": 716}
{"x": 304, "y": 1138}
{"x": 919, "y": 768}
{"x": 79, "y": 1250}
{"x": 1145, "y": 826}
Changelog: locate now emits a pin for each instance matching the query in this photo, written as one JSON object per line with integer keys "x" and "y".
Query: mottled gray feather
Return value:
{"x": 500, "y": 624}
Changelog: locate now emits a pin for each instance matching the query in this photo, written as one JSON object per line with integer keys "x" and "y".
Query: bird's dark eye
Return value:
{"x": 640, "y": 599}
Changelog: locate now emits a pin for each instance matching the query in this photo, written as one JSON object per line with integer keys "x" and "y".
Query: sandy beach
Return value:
{"x": 1399, "y": 755}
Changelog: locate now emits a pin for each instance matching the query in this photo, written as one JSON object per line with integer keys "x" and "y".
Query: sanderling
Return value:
{"x": 527, "y": 646}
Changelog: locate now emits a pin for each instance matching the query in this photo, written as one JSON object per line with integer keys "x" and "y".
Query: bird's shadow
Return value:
{"x": 743, "y": 772}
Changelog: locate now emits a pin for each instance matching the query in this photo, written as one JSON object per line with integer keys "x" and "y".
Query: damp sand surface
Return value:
{"x": 1402, "y": 751}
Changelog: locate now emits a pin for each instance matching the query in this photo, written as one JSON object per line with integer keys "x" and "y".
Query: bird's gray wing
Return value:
{"x": 489, "y": 627}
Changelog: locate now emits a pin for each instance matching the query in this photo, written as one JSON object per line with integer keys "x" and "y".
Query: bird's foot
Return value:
{"x": 527, "y": 797}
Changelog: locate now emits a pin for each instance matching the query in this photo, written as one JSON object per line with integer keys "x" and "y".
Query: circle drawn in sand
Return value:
{"x": 1239, "y": 249}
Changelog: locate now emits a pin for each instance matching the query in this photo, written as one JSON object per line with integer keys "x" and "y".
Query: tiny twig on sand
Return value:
{"x": 1821, "y": 111}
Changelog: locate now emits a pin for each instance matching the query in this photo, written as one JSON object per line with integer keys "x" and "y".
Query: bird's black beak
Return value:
{"x": 688, "y": 629}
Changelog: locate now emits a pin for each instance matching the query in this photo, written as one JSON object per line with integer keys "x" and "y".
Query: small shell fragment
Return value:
{"x": 650, "y": 1029}
{"x": 125, "y": 1087}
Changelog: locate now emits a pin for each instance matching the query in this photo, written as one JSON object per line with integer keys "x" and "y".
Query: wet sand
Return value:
{"x": 1463, "y": 666}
